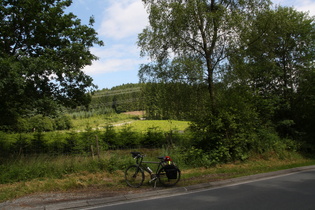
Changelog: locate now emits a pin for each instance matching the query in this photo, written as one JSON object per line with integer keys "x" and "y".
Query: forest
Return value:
{"x": 242, "y": 72}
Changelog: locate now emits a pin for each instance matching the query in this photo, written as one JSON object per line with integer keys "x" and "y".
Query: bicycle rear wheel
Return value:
{"x": 134, "y": 176}
{"x": 169, "y": 177}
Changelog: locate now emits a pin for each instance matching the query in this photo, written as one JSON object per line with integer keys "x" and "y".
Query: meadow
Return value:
{"x": 133, "y": 119}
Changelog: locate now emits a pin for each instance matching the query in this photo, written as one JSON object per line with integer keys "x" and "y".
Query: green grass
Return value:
{"x": 100, "y": 121}
{"x": 121, "y": 120}
{"x": 163, "y": 125}
{"x": 42, "y": 174}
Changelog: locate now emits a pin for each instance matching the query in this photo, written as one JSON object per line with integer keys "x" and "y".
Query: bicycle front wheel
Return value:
{"x": 169, "y": 177}
{"x": 134, "y": 176}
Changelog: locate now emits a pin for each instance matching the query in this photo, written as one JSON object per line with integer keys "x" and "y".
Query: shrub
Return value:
{"x": 153, "y": 138}
{"x": 127, "y": 138}
{"x": 63, "y": 123}
{"x": 109, "y": 137}
{"x": 41, "y": 123}
{"x": 39, "y": 143}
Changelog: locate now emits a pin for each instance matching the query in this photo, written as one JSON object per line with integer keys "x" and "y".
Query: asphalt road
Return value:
{"x": 289, "y": 191}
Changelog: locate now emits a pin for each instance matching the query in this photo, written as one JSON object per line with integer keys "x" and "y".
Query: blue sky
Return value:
{"x": 118, "y": 23}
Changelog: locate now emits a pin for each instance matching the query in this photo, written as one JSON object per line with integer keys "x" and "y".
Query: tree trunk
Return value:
{"x": 211, "y": 86}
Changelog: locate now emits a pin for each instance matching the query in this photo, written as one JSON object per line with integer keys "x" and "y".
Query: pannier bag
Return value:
{"x": 171, "y": 171}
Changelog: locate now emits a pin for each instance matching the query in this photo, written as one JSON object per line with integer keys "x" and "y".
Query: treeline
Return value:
{"x": 178, "y": 101}
{"x": 122, "y": 98}
{"x": 40, "y": 123}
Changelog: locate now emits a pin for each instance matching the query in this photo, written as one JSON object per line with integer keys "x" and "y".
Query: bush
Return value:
{"x": 41, "y": 123}
{"x": 109, "y": 137}
{"x": 127, "y": 138}
{"x": 63, "y": 123}
{"x": 223, "y": 136}
{"x": 153, "y": 138}
{"x": 39, "y": 143}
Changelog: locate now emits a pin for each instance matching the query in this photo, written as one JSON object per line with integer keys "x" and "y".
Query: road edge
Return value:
{"x": 90, "y": 203}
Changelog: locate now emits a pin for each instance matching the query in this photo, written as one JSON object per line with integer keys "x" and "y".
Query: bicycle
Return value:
{"x": 167, "y": 173}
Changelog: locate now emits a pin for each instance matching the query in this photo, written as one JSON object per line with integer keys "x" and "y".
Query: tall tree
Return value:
{"x": 276, "y": 61}
{"x": 197, "y": 30}
{"x": 42, "y": 54}
{"x": 276, "y": 51}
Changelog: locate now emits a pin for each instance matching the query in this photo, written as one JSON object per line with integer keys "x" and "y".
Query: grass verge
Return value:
{"x": 108, "y": 175}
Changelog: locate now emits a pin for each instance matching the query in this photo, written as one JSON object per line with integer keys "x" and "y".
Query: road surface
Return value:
{"x": 292, "y": 191}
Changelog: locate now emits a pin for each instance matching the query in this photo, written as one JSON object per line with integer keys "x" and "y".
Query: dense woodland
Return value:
{"x": 122, "y": 98}
{"x": 242, "y": 72}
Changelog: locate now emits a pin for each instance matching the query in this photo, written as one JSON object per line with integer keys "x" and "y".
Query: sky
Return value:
{"x": 118, "y": 23}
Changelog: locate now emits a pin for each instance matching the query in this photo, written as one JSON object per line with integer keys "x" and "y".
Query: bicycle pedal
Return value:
{"x": 154, "y": 179}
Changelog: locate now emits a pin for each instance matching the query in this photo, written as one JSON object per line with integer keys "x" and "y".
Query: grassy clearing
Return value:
{"x": 163, "y": 125}
{"x": 82, "y": 174}
{"x": 121, "y": 120}
{"x": 101, "y": 121}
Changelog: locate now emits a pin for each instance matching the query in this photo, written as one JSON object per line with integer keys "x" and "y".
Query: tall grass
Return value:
{"x": 55, "y": 167}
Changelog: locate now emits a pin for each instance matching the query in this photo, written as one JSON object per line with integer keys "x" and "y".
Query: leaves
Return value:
{"x": 42, "y": 54}
{"x": 197, "y": 30}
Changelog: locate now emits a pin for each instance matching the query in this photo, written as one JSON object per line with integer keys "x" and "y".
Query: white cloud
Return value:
{"x": 306, "y": 6}
{"x": 300, "y": 5}
{"x": 111, "y": 65}
{"x": 116, "y": 58}
{"x": 123, "y": 19}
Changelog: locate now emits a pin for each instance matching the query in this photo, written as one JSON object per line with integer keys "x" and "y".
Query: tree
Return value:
{"x": 196, "y": 30}
{"x": 276, "y": 51}
{"x": 276, "y": 60}
{"x": 42, "y": 54}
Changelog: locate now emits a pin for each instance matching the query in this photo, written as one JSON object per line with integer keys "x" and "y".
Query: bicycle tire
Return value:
{"x": 165, "y": 181}
{"x": 134, "y": 176}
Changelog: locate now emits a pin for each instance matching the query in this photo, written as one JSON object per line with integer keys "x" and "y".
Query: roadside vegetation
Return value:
{"x": 84, "y": 174}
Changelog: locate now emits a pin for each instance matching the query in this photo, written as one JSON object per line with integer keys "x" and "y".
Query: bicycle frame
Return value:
{"x": 139, "y": 162}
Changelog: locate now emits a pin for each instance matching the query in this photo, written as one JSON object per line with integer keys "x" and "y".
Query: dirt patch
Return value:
{"x": 136, "y": 113}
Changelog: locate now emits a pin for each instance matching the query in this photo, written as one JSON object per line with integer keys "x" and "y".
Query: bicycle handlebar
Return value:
{"x": 136, "y": 155}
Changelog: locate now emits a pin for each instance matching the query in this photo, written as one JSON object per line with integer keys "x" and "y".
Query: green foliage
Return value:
{"x": 63, "y": 123}
{"x": 38, "y": 143}
{"x": 153, "y": 138}
{"x": 43, "y": 123}
{"x": 187, "y": 41}
{"x": 261, "y": 96}
{"x": 177, "y": 101}
{"x": 196, "y": 158}
{"x": 42, "y": 54}
{"x": 110, "y": 136}
{"x": 128, "y": 138}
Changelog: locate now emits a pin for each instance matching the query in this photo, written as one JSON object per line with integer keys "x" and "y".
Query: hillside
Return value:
{"x": 126, "y": 97}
